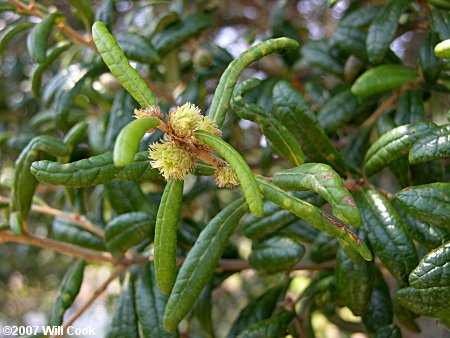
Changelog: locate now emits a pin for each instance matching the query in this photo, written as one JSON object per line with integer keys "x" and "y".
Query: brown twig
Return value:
{"x": 31, "y": 9}
{"x": 81, "y": 221}
{"x": 64, "y": 248}
{"x": 102, "y": 288}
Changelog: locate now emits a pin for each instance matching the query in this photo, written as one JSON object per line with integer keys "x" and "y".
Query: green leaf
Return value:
{"x": 382, "y": 30}
{"x": 354, "y": 281}
{"x": 357, "y": 145}
{"x": 442, "y": 49}
{"x": 432, "y": 146}
{"x": 240, "y": 167}
{"x": 24, "y": 182}
{"x": 340, "y": 109}
{"x": 280, "y": 137}
{"x": 258, "y": 309}
{"x": 224, "y": 91}
{"x": 124, "y": 322}
{"x": 38, "y": 38}
{"x": 127, "y": 230}
{"x": 165, "y": 246}
{"x": 150, "y": 304}
{"x": 324, "y": 248}
{"x": 314, "y": 216}
{"x": 351, "y": 39}
{"x": 119, "y": 66}
{"x": 127, "y": 143}
{"x": 105, "y": 12}
{"x": 275, "y": 253}
{"x": 380, "y": 312}
{"x": 94, "y": 170}
{"x": 432, "y": 301}
{"x": 65, "y": 231}
{"x": 84, "y": 11}
{"x": 433, "y": 269}
{"x": 410, "y": 108}
{"x": 67, "y": 292}
{"x": 382, "y": 78}
{"x": 390, "y": 331}
{"x": 393, "y": 145}
{"x": 275, "y": 219}
{"x": 294, "y": 113}
{"x": 175, "y": 35}
{"x": 126, "y": 196}
{"x": 428, "y": 202}
{"x": 429, "y": 235}
{"x": 136, "y": 47}
{"x": 273, "y": 327}
{"x": 300, "y": 230}
{"x": 387, "y": 234}
{"x": 200, "y": 262}
{"x": 322, "y": 179}
{"x": 440, "y": 23}
{"x": 361, "y": 16}
{"x": 318, "y": 53}
{"x": 444, "y": 4}
{"x": 12, "y": 31}
{"x": 430, "y": 64}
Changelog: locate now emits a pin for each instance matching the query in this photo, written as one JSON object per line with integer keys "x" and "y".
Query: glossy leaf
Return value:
{"x": 200, "y": 263}
{"x": 224, "y": 91}
{"x": 12, "y": 31}
{"x": 428, "y": 202}
{"x": 136, "y": 47}
{"x": 301, "y": 231}
{"x": 380, "y": 311}
{"x": 361, "y": 16}
{"x": 442, "y": 49}
{"x": 257, "y": 309}
{"x": 322, "y": 179}
{"x": 174, "y": 35}
{"x": 150, "y": 304}
{"x": 324, "y": 248}
{"x": 393, "y": 145}
{"x": 382, "y": 29}
{"x": 65, "y": 231}
{"x": 382, "y": 78}
{"x": 431, "y": 146}
{"x": 410, "y": 108}
{"x": 24, "y": 182}
{"x": 351, "y": 39}
{"x": 318, "y": 54}
{"x": 67, "y": 292}
{"x": 38, "y": 38}
{"x": 124, "y": 321}
{"x": 275, "y": 253}
{"x": 240, "y": 167}
{"x": 126, "y": 196}
{"x": 354, "y": 282}
{"x": 387, "y": 234}
{"x": 119, "y": 66}
{"x": 127, "y": 142}
{"x": 314, "y": 216}
{"x": 273, "y": 327}
{"x": 433, "y": 269}
{"x": 440, "y": 23}
{"x": 432, "y": 301}
{"x": 94, "y": 170}
{"x": 390, "y": 331}
{"x": 165, "y": 246}
{"x": 340, "y": 109}
{"x": 431, "y": 65}
{"x": 127, "y": 230}
{"x": 279, "y": 136}
{"x": 294, "y": 113}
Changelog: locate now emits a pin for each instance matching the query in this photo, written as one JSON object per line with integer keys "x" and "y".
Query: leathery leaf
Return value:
{"x": 428, "y": 202}
{"x": 322, "y": 179}
{"x": 224, "y": 91}
{"x": 200, "y": 262}
{"x": 393, "y": 145}
{"x": 118, "y": 64}
{"x": 165, "y": 249}
{"x": 68, "y": 290}
{"x": 387, "y": 234}
{"x": 127, "y": 142}
{"x": 240, "y": 167}
{"x": 432, "y": 146}
{"x": 314, "y": 216}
